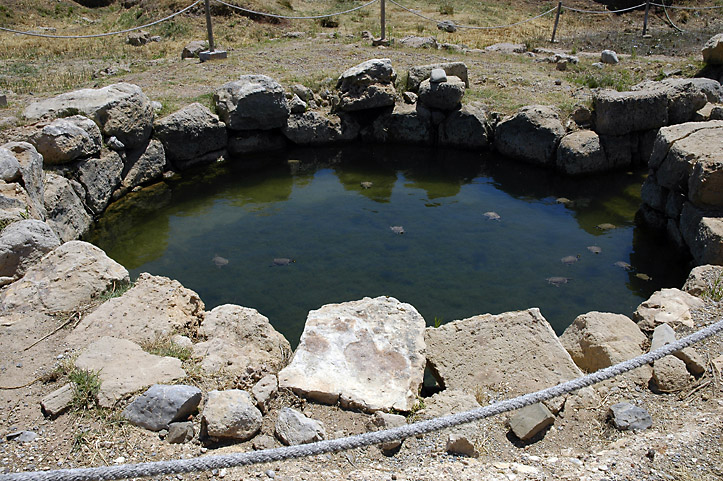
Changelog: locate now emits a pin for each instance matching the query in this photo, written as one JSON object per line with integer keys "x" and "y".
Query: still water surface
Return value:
{"x": 451, "y": 262}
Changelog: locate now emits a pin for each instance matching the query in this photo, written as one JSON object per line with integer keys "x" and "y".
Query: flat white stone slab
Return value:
{"x": 366, "y": 354}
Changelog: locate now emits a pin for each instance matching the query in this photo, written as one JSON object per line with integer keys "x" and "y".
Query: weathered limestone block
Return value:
{"x": 531, "y": 135}
{"x": 446, "y": 95}
{"x": 670, "y": 306}
{"x": 293, "y": 428}
{"x": 367, "y": 354}
{"x": 58, "y": 401}
{"x": 414, "y": 41}
{"x": 670, "y": 374}
{"x": 265, "y": 390}
{"x": 15, "y": 203}
{"x": 193, "y": 48}
{"x": 142, "y": 166}
{"x": 154, "y": 307}
{"x": 449, "y": 401}
{"x": 314, "y": 128}
{"x": 65, "y": 279}
{"x": 618, "y": 113}
{"x": 9, "y": 166}
{"x": 31, "y": 168}
{"x": 230, "y": 414}
{"x": 407, "y": 124}
{"x": 581, "y": 153}
{"x": 419, "y": 73}
{"x": 68, "y": 139}
{"x": 124, "y": 368}
{"x": 664, "y": 334}
{"x": 597, "y": 340}
{"x": 191, "y": 132}
{"x": 66, "y": 214}
{"x": 466, "y": 128}
{"x": 100, "y": 177}
{"x": 121, "y": 110}
{"x": 380, "y": 421}
{"x": 254, "y": 102}
{"x": 369, "y": 85}
{"x": 238, "y": 339}
{"x": 702, "y": 234}
{"x": 22, "y": 244}
{"x": 162, "y": 404}
{"x": 527, "y": 422}
{"x": 180, "y": 432}
{"x": 713, "y": 50}
{"x": 509, "y": 354}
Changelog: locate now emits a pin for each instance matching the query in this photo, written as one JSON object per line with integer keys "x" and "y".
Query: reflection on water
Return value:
{"x": 330, "y": 212}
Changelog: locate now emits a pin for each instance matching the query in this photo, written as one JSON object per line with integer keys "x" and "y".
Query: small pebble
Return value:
{"x": 270, "y": 473}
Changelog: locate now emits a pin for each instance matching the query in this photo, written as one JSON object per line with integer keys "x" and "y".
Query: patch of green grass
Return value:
{"x": 173, "y": 30}
{"x": 438, "y": 321}
{"x": 164, "y": 346}
{"x": 418, "y": 406}
{"x": 86, "y": 386}
{"x": 116, "y": 290}
{"x": 620, "y": 79}
{"x": 715, "y": 291}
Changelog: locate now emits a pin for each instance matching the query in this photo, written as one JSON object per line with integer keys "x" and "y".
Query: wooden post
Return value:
{"x": 384, "y": 20}
{"x": 211, "y": 47}
{"x": 645, "y": 22}
{"x": 557, "y": 20}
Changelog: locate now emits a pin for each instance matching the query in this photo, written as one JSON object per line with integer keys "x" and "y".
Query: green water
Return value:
{"x": 452, "y": 262}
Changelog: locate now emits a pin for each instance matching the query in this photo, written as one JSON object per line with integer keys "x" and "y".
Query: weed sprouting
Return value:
{"x": 86, "y": 386}
{"x": 715, "y": 290}
{"x": 164, "y": 346}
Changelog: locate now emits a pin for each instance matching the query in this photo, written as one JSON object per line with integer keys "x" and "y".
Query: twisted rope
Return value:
{"x": 312, "y": 17}
{"x": 686, "y": 8}
{"x": 603, "y": 11}
{"x": 470, "y": 27}
{"x": 353, "y": 442}
{"x": 33, "y": 34}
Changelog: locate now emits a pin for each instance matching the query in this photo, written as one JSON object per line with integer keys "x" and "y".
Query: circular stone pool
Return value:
{"x": 480, "y": 234}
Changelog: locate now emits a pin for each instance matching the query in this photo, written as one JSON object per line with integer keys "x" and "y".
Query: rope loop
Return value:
{"x": 286, "y": 17}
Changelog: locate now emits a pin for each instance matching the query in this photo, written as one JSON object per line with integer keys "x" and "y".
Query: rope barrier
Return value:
{"x": 603, "y": 11}
{"x": 33, "y": 34}
{"x": 177, "y": 466}
{"x": 470, "y": 27}
{"x": 686, "y": 8}
{"x": 670, "y": 20}
{"x": 313, "y": 17}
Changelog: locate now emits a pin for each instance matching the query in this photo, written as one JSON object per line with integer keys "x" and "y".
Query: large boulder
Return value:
{"x": 581, "y": 153}
{"x": 314, "y": 128}
{"x": 22, "y": 244}
{"x": 124, "y": 368}
{"x": 713, "y": 50}
{"x": 406, "y": 124}
{"x": 597, "y": 340}
{"x": 15, "y": 203}
{"x": 121, "y": 110}
{"x": 99, "y": 178}
{"x": 446, "y": 95}
{"x": 466, "y": 128}
{"x": 369, "y": 85}
{"x": 531, "y": 135}
{"x": 154, "y": 307}
{"x": 239, "y": 339}
{"x": 31, "y": 168}
{"x": 366, "y": 354}
{"x": 65, "y": 279}
{"x": 618, "y": 113}
{"x": 65, "y": 211}
{"x": 254, "y": 102}
{"x": 142, "y": 166}
{"x": 417, "y": 74}
{"x": 669, "y": 306}
{"x": 192, "y": 132}
{"x": 685, "y": 96}
{"x": 702, "y": 279}
{"x": 506, "y": 355}
{"x": 68, "y": 139}
{"x": 230, "y": 414}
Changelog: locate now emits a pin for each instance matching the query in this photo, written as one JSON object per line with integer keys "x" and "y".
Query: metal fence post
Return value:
{"x": 383, "y": 20}
{"x": 557, "y": 20}
{"x": 211, "y": 47}
{"x": 645, "y": 22}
